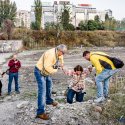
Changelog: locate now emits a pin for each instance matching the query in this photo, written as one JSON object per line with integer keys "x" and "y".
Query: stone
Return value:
{"x": 1, "y": 101}
{"x": 109, "y": 100}
{"x": 53, "y": 119}
{"x": 89, "y": 80}
{"x": 54, "y": 95}
{"x": 32, "y": 109}
{"x": 7, "y": 98}
{"x": 63, "y": 92}
{"x": 23, "y": 104}
{"x": 60, "y": 97}
{"x": 98, "y": 109}
{"x": 20, "y": 112}
{"x": 96, "y": 115}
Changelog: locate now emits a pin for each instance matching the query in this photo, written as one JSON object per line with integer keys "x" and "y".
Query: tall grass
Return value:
{"x": 34, "y": 39}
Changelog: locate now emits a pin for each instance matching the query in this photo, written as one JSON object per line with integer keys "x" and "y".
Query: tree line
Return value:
{"x": 110, "y": 23}
{"x": 8, "y": 12}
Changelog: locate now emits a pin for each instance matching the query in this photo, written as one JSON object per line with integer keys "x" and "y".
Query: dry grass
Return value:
{"x": 114, "y": 110}
{"x": 35, "y": 39}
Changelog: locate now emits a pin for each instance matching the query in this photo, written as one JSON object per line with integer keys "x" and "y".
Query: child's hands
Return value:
{"x": 67, "y": 72}
{"x": 85, "y": 72}
{"x": 80, "y": 86}
{"x": 61, "y": 66}
{"x": 16, "y": 61}
{"x": 90, "y": 68}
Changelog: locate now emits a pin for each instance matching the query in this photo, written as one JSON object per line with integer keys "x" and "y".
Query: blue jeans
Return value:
{"x": 70, "y": 96}
{"x": 11, "y": 77}
{"x": 44, "y": 90}
{"x": 102, "y": 82}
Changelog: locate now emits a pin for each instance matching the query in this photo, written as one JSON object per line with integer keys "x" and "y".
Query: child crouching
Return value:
{"x": 77, "y": 85}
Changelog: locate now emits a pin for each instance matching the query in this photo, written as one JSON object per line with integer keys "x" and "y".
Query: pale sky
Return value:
{"x": 117, "y": 6}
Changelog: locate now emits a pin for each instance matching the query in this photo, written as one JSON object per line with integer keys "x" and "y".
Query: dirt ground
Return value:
{"x": 11, "y": 113}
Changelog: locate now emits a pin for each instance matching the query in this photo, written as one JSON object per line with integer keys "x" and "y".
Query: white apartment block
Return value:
{"x": 51, "y": 12}
{"x": 101, "y": 14}
{"x": 82, "y": 12}
{"x": 78, "y": 13}
{"x": 23, "y": 19}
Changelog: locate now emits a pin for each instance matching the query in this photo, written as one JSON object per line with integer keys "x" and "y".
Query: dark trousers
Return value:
{"x": 70, "y": 96}
{"x": 0, "y": 87}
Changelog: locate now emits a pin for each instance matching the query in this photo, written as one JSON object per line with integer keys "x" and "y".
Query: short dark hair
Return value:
{"x": 78, "y": 68}
{"x": 85, "y": 53}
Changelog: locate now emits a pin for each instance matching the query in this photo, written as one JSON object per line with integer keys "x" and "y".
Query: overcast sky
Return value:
{"x": 117, "y": 6}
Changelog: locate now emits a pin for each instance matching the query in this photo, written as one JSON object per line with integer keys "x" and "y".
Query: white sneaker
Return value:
{"x": 100, "y": 99}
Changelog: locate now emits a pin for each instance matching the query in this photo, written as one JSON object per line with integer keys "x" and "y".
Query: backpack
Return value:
{"x": 117, "y": 62}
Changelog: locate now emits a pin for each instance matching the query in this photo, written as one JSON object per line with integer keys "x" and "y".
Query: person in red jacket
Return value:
{"x": 14, "y": 66}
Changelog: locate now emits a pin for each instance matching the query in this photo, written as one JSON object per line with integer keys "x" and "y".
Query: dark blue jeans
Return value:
{"x": 11, "y": 77}
{"x": 70, "y": 96}
{"x": 44, "y": 90}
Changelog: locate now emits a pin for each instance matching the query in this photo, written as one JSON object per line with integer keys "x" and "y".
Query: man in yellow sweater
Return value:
{"x": 45, "y": 67}
{"x": 104, "y": 70}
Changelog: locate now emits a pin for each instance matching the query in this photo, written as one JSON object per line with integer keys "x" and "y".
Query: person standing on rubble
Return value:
{"x": 47, "y": 65}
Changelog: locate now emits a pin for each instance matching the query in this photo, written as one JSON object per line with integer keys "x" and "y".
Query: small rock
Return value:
{"x": 96, "y": 115}
{"x": 63, "y": 92}
{"x": 20, "y": 112}
{"x": 22, "y": 104}
{"x": 60, "y": 97}
{"x": 98, "y": 109}
{"x": 32, "y": 109}
{"x": 124, "y": 88}
{"x": 7, "y": 98}
{"x": 89, "y": 80}
{"x": 109, "y": 100}
{"x": 73, "y": 108}
{"x": 53, "y": 119}
{"x": 61, "y": 108}
{"x": 54, "y": 95}
{"x": 81, "y": 114}
{"x": 58, "y": 93}
{"x": 1, "y": 100}
{"x": 90, "y": 101}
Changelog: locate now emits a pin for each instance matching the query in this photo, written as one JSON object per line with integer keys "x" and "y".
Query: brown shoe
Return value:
{"x": 43, "y": 116}
{"x": 54, "y": 103}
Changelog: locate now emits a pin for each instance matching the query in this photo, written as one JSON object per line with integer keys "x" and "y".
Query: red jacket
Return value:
{"x": 14, "y": 66}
